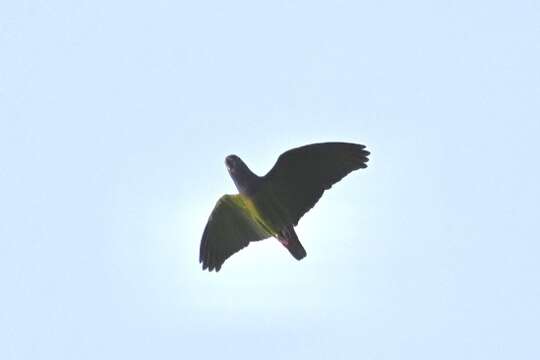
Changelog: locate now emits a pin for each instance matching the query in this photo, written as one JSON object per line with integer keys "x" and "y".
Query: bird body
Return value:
{"x": 270, "y": 206}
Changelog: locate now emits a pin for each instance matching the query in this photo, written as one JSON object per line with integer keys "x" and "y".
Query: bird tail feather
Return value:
{"x": 287, "y": 236}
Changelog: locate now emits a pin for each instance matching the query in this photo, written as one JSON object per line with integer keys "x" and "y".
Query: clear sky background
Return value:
{"x": 115, "y": 118}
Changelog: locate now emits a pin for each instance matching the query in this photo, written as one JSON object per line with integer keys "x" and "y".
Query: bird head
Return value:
{"x": 243, "y": 178}
{"x": 233, "y": 163}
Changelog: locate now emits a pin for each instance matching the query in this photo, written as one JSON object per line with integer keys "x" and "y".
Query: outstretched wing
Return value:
{"x": 301, "y": 175}
{"x": 230, "y": 228}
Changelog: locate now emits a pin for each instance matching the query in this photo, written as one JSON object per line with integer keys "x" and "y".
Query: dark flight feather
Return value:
{"x": 230, "y": 228}
{"x": 301, "y": 175}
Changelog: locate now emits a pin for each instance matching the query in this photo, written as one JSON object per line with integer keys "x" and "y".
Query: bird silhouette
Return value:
{"x": 271, "y": 205}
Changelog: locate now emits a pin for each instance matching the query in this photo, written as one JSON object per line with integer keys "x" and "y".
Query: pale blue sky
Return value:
{"x": 115, "y": 118}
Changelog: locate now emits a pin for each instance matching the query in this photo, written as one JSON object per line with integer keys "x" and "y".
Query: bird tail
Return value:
{"x": 287, "y": 236}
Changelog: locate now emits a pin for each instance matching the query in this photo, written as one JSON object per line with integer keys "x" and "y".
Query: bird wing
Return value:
{"x": 231, "y": 226}
{"x": 301, "y": 175}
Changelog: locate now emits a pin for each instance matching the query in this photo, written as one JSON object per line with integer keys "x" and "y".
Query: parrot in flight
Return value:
{"x": 272, "y": 205}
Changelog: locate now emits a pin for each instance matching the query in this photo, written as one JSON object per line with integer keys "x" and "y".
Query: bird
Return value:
{"x": 272, "y": 205}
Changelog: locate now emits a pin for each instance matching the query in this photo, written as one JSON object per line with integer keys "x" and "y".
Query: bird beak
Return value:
{"x": 228, "y": 164}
